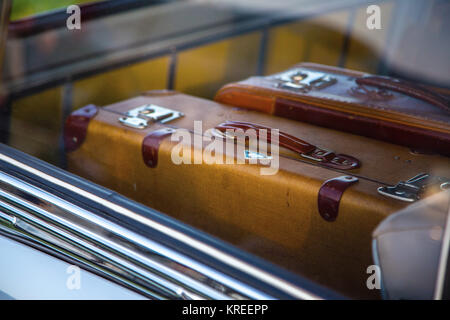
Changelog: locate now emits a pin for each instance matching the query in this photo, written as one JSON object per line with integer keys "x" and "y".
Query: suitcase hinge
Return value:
{"x": 139, "y": 117}
{"x": 412, "y": 189}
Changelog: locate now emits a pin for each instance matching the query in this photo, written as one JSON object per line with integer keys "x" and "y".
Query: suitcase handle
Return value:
{"x": 305, "y": 149}
{"x": 406, "y": 87}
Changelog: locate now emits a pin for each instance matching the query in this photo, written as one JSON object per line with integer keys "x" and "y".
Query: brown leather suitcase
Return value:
{"x": 314, "y": 216}
{"x": 383, "y": 108}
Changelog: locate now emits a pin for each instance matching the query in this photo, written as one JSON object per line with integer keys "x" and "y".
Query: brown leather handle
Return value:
{"x": 305, "y": 149}
{"x": 285, "y": 140}
{"x": 407, "y": 88}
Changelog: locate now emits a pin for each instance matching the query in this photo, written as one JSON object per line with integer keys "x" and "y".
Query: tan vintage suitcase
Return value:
{"x": 314, "y": 216}
{"x": 383, "y": 108}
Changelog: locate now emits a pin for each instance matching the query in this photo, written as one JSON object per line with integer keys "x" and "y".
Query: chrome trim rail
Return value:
{"x": 117, "y": 252}
{"x": 444, "y": 264}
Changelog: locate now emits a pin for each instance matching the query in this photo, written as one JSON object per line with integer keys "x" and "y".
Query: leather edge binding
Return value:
{"x": 330, "y": 194}
{"x": 150, "y": 146}
{"x": 76, "y": 126}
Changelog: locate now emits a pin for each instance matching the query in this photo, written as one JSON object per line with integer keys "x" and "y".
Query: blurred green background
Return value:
{"x": 25, "y": 8}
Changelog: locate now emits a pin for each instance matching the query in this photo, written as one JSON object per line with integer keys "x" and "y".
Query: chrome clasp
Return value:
{"x": 412, "y": 189}
{"x": 139, "y": 117}
{"x": 320, "y": 155}
{"x": 304, "y": 80}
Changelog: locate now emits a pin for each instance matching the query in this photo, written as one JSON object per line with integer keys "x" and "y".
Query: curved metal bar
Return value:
{"x": 265, "y": 277}
{"x": 68, "y": 227}
{"x": 132, "y": 258}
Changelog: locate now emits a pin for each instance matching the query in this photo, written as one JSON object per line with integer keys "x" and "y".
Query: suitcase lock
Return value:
{"x": 412, "y": 189}
{"x": 303, "y": 80}
{"x": 139, "y": 117}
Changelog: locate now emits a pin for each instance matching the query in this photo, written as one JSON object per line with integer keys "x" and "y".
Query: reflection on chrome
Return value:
{"x": 115, "y": 251}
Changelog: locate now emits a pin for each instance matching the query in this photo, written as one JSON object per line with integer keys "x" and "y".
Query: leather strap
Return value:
{"x": 305, "y": 149}
{"x": 406, "y": 87}
{"x": 330, "y": 194}
{"x": 75, "y": 128}
{"x": 151, "y": 143}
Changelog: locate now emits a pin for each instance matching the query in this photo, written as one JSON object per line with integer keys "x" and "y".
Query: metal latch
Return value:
{"x": 412, "y": 189}
{"x": 304, "y": 80}
{"x": 256, "y": 155}
{"x": 139, "y": 117}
